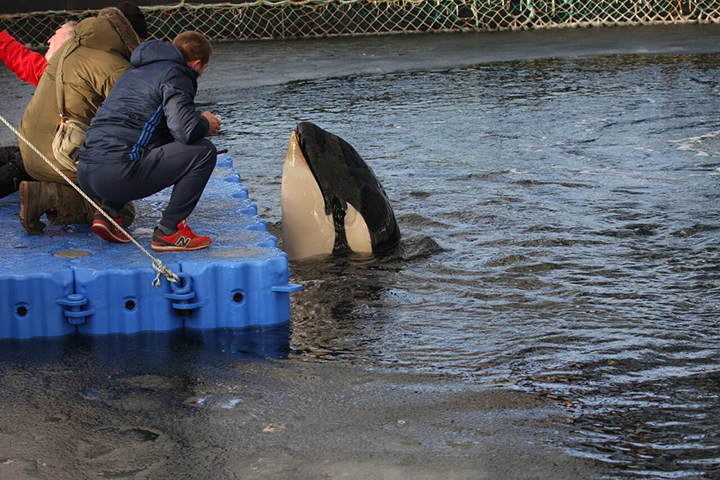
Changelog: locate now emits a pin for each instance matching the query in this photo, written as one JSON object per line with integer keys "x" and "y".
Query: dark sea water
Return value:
{"x": 561, "y": 228}
{"x": 560, "y": 218}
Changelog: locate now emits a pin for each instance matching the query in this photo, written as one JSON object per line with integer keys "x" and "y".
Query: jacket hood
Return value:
{"x": 109, "y": 31}
{"x": 156, "y": 51}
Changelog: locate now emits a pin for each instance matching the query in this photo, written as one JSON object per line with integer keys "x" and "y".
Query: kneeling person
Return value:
{"x": 147, "y": 135}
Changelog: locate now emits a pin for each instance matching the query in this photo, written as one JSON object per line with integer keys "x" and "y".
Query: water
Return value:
{"x": 559, "y": 219}
{"x": 560, "y": 222}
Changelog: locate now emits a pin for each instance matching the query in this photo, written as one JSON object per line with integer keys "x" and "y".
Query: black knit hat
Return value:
{"x": 135, "y": 17}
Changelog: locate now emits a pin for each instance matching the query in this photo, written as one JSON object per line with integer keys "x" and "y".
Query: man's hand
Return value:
{"x": 213, "y": 121}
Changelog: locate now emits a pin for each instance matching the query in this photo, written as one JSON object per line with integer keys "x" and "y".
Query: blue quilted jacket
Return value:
{"x": 151, "y": 104}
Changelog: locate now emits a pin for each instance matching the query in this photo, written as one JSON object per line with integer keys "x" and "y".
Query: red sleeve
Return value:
{"x": 26, "y": 64}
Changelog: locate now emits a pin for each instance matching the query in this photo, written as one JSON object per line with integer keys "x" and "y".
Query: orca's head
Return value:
{"x": 331, "y": 200}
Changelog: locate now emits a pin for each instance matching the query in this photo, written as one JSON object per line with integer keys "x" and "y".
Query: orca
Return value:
{"x": 331, "y": 200}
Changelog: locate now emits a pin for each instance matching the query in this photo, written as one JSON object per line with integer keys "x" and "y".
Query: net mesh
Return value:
{"x": 306, "y": 18}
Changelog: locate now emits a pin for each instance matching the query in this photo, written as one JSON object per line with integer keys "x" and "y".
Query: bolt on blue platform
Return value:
{"x": 69, "y": 280}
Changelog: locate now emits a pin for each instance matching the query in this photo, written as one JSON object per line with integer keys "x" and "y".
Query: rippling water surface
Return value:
{"x": 560, "y": 224}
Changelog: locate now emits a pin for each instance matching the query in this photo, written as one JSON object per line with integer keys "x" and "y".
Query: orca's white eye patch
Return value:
{"x": 356, "y": 231}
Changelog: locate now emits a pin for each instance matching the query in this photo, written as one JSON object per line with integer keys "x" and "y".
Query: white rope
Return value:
{"x": 156, "y": 262}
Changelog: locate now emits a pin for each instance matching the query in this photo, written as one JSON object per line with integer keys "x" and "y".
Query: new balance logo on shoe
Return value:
{"x": 183, "y": 242}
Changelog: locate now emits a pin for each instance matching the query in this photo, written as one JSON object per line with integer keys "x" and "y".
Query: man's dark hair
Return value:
{"x": 136, "y": 18}
{"x": 194, "y": 46}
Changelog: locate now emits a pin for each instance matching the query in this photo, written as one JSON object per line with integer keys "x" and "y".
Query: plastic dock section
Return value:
{"x": 69, "y": 280}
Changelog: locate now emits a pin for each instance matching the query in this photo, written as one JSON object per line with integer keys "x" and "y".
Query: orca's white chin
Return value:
{"x": 307, "y": 230}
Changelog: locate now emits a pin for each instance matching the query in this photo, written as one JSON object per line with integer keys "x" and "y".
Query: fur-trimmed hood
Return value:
{"x": 93, "y": 59}
{"x": 109, "y": 31}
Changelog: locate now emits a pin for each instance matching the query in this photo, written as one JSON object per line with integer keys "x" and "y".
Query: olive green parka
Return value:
{"x": 95, "y": 57}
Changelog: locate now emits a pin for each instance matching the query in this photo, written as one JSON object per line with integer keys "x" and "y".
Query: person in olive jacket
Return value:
{"x": 93, "y": 60}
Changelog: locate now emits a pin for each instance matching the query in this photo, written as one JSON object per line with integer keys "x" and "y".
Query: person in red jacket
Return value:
{"x": 28, "y": 66}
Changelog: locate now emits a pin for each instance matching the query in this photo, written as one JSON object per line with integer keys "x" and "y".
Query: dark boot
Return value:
{"x": 70, "y": 207}
{"x": 36, "y": 199}
{"x": 61, "y": 203}
{"x": 73, "y": 208}
{"x": 12, "y": 171}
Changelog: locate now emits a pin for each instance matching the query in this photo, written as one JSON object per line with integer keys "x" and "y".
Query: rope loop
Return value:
{"x": 164, "y": 271}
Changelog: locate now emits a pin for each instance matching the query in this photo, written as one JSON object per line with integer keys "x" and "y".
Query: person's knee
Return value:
{"x": 208, "y": 152}
{"x": 207, "y": 144}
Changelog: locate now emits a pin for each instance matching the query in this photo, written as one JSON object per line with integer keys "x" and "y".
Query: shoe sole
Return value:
{"x": 173, "y": 248}
{"x": 103, "y": 232}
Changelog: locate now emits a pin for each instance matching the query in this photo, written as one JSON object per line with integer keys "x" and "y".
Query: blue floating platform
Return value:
{"x": 69, "y": 280}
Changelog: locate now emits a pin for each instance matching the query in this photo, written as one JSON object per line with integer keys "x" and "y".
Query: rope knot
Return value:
{"x": 164, "y": 271}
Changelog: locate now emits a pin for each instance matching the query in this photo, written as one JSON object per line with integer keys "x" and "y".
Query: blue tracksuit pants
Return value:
{"x": 187, "y": 167}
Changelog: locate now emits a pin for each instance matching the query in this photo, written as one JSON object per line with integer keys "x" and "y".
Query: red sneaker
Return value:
{"x": 182, "y": 240}
{"x": 106, "y": 230}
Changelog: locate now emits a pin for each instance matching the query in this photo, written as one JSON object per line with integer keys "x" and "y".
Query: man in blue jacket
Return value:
{"x": 148, "y": 135}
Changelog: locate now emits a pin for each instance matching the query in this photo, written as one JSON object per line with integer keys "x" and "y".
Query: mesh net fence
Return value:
{"x": 306, "y": 18}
